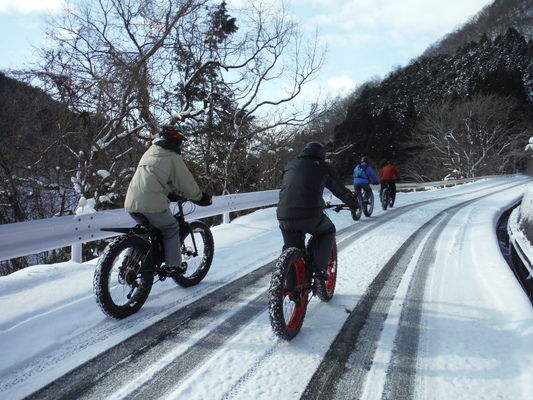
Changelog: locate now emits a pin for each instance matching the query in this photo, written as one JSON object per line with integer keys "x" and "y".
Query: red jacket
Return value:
{"x": 389, "y": 172}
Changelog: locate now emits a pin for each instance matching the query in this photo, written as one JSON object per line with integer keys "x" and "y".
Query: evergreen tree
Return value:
{"x": 380, "y": 120}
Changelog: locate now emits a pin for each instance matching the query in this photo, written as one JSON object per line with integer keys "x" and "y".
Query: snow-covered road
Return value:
{"x": 425, "y": 307}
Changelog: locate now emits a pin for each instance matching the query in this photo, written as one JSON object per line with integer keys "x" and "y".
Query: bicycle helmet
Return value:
{"x": 314, "y": 149}
{"x": 172, "y": 132}
{"x": 365, "y": 159}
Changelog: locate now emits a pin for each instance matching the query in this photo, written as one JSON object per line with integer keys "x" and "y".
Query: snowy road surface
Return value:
{"x": 425, "y": 307}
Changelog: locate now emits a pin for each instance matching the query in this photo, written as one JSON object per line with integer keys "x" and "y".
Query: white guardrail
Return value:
{"x": 31, "y": 237}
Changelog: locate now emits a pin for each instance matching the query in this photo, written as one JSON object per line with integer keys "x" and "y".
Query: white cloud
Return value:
{"x": 341, "y": 84}
{"x": 27, "y": 6}
{"x": 366, "y": 38}
{"x": 410, "y": 16}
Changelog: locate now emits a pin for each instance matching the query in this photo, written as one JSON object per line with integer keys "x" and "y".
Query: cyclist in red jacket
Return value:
{"x": 388, "y": 175}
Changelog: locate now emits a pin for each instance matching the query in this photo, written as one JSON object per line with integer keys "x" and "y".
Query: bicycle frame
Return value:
{"x": 309, "y": 262}
{"x": 385, "y": 185}
{"x": 294, "y": 283}
{"x": 154, "y": 237}
{"x": 125, "y": 272}
{"x": 386, "y": 196}
{"x": 368, "y": 205}
{"x": 361, "y": 190}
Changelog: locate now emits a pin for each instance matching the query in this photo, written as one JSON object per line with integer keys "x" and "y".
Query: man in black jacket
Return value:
{"x": 301, "y": 204}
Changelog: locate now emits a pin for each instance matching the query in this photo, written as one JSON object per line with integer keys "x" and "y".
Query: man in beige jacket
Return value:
{"x": 161, "y": 174}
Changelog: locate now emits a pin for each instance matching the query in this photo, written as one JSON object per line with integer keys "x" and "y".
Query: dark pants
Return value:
{"x": 170, "y": 228}
{"x": 321, "y": 227}
{"x": 366, "y": 187}
{"x": 392, "y": 186}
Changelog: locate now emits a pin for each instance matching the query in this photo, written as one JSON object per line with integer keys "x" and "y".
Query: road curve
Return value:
{"x": 172, "y": 349}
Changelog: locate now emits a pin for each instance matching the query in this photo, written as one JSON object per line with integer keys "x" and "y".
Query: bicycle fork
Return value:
{"x": 184, "y": 230}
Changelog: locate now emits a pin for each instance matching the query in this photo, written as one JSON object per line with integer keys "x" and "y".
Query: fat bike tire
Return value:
{"x": 368, "y": 208}
{"x": 123, "y": 276}
{"x": 357, "y": 211}
{"x": 385, "y": 199}
{"x": 288, "y": 294}
{"x": 197, "y": 253}
{"x": 326, "y": 289}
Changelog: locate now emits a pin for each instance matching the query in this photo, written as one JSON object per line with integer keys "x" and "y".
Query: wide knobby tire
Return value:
{"x": 199, "y": 257}
{"x": 368, "y": 208}
{"x": 288, "y": 295}
{"x": 326, "y": 289}
{"x": 385, "y": 199}
{"x": 391, "y": 201}
{"x": 357, "y": 211}
{"x": 123, "y": 277}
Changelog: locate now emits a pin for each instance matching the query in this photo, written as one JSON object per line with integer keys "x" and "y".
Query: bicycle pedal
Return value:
{"x": 322, "y": 276}
{"x": 167, "y": 272}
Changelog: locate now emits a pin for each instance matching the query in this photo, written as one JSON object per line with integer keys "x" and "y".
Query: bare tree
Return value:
{"x": 126, "y": 66}
{"x": 465, "y": 138}
{"x": 263, "y": 68}
{"x": 110, "y": 62}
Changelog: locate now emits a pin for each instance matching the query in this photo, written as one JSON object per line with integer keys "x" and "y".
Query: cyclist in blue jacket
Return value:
{"x": 363, "y": 176}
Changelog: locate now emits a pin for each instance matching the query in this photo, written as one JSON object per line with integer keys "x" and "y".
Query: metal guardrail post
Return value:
{"x": 76, "y": 251}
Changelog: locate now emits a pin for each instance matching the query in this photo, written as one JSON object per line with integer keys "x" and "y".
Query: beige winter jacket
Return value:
{"x": 159, "y": 172}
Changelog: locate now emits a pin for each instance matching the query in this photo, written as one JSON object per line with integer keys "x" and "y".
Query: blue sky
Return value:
{"x": 365, "y": 38}
{"x": 369, "y": 38}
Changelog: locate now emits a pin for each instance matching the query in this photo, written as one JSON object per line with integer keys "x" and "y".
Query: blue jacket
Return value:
{"x": 369, "y": 172}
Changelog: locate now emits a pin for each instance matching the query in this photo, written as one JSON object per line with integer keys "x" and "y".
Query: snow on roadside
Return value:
{"x": 46, "y": 305}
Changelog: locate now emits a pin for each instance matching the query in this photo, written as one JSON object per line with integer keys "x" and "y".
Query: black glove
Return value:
{"x": 350, "y": 199}
{"x": 174, "y": 197}
{"x": 206, "y": 200}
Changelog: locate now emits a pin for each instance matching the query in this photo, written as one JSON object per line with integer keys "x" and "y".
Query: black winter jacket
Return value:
{"x": 302, "y": 188}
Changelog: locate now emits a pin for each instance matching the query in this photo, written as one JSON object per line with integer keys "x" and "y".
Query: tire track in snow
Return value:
{"x": 401, "y": 374}
{"x": 260, "y": 362}
{"x": 114, "y": 368}
{"x": 343, "y": 371}
{"x": 344, "y": 239}
{"x": 181, "y": 368}
{"x": 105, "y": 369}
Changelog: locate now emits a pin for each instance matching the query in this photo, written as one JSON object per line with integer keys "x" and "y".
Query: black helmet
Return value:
{"x": 172, "y": 132}
{"x": 314, "y": 149}
{"x": 365, "y": 159}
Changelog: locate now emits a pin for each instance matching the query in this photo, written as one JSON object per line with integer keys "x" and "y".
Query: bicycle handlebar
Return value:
{"x": 337, "y": 207}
